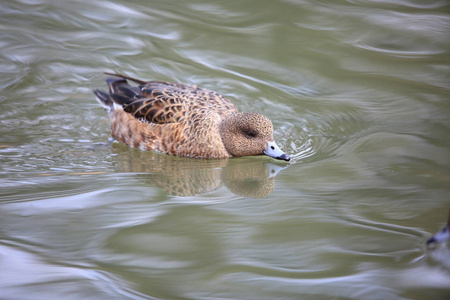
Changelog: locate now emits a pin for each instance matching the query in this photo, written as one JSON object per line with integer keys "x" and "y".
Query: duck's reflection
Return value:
{"x": 249, "y": 176}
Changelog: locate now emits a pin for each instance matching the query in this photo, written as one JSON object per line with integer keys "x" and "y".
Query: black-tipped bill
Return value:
{"x": 274, "y": 151}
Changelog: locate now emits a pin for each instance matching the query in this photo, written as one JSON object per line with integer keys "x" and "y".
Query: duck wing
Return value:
{"x": 163, "y": 102}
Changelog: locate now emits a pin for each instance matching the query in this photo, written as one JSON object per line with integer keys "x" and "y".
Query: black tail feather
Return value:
{"x": 120, "y": 92}
{"x": 140, "y": 82}
{"x": 104, "y": 99}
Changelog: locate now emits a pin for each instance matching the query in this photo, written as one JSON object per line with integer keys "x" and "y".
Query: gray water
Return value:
{"x": 359, "y": 95}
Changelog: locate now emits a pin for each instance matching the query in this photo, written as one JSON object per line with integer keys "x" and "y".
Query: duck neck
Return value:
{"x": 227, "y": 130}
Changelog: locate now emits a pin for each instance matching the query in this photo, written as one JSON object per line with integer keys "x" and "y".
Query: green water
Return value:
{"x": 359, "y": 95}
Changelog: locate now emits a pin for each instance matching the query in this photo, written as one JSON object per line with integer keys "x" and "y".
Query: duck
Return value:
{"x": 442, "y": 235}
{"x": 184, "y": 120}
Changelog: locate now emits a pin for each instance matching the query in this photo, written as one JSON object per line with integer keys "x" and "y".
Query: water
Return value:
{"x": 358, "y": 92}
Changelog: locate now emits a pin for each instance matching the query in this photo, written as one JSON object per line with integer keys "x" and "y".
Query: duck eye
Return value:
{"x": 251, "y": 134}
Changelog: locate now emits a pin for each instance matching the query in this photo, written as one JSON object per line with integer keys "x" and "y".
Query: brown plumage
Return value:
{"x": 184, "y": 120}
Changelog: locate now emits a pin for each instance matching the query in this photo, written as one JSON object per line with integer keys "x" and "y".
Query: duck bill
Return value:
{"x": 274, "y": 151}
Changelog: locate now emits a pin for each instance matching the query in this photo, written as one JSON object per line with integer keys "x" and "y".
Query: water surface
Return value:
{"x": 358, "y": 92}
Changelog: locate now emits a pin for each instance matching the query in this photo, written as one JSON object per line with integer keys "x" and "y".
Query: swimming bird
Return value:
{"x": 184, "y": 120}
{"x": 442, "y": 235}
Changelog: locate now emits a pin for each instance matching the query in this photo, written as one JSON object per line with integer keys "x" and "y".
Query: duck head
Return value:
{"x": 249, "y": 134}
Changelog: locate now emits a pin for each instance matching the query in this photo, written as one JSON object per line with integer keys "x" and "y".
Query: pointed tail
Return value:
{"x": 105, "y": 101}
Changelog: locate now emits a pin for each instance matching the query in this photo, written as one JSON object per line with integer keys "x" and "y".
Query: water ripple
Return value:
{"x": 358, "y": 95}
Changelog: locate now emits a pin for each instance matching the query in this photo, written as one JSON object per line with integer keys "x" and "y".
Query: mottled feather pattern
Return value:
{"x": 169, "y": 117}
{"x": 181, "y": 119}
